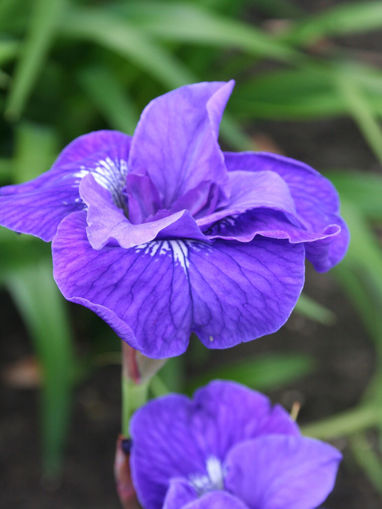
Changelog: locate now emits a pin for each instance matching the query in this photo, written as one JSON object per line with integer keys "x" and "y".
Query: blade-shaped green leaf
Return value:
{"x": 42, "y": 29}
{"x": 108, "y": 94}
{"x": 42, "y": 308}
{"x": 18, "y": 252}
{"x": 115, "y": 33}
{"x": 351, "y": 17}
{"x": 8, "y": 49}
{"x": 368, "y": 459}
{"x": 364, "y": 249}
{"x": 263, "y": 373}
{"x": 301, "y": 93}
{"x": 187, "y": 22}
{"x": 361, "y": 188}
{"x": 13, "y": 14}
{"x": 360, "y": 274}
{"x": 6, "y": 166}
{"x": 308, "y": 92}
{"x": 361, "y": 271}
{"x": 315, "y": 311}
{"x": 279, "y": 8}
{"x": 362, "y": 111}
{"x": 35, "y": 150}
{"x": 112, "y": 32}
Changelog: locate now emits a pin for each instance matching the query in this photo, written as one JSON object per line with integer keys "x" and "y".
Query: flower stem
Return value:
{"x": 134, "y": 388}
{"x": 346, "y": 423}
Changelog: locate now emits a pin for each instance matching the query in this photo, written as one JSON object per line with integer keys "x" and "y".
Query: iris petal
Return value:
{"x": 315, "y": 198}
{"x": 37, "y": 207}
{"x": 164, "y": 451}
{"x": 107, "y": 223}
{"x": 268, "y": 223}
{"x": 216, "y": 500}
{"x": 179, "y": 494}
{"x": 175, "y": 142}
{"x": 220, "y": 416}
{"x": 141, "y": 292}
{"x": 234, "y": 413}
{"x": 282, "y": 472}
{"x": 253, "y": 190}
{"x": 162, "y": 291}
{"x": 243, "y": 291}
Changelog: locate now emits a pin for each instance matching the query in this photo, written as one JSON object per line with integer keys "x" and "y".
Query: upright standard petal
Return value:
{"x": 282, "y": 472}
{"x": 142, "y": 292}
{"x": 175, "y": 142}
{"x": 231, "y": 413}
{"x": 263, "y": 189}
{"x": 37, "y": 207}
{"x": 315, "y": 198}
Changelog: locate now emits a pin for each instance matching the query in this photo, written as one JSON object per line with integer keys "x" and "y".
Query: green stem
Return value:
{"x": 134, "y": 395}
{"x": 134, "y": 388}
{"x": 347, "y": 423}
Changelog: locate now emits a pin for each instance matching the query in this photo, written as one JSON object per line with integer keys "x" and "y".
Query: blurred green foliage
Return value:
{"x": 69, "y": 67}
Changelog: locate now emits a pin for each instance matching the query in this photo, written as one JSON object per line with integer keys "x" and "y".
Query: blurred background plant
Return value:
{"x": 70, "y": 67}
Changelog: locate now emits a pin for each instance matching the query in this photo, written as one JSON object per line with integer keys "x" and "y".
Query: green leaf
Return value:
{"x": 42, "y": 308}
{"x": 263, "y": 373}
{"x": 362, "y": 111}
{"x": 35, "y": 150}
{"x": 301, "y": 93}
{"x": 13, "y": 15}
{"x": 279, "y": 8}
{"x": 9, "y": 48}
{"x": 173, "y": 373}
{"x": 234, "y": 134}
{"x": 360, "y": 272}
{"x": 315, "y": 311}
{"x": 108, "y": 94}
{"x": 367, "y": 459}
{"x": 364, "y": 249}
{"x": 6, "y": 166}
{"x": 167, "y": 21}
{"x": 344, "y": 424}
{"x": 361, "y": 188}
{"x": 349, "y": 18}
{"x": 18, "y": 252}
{"x": 41, "y": 32}
{"x": 313, "y": 92}
{"x": 116, "y": 34}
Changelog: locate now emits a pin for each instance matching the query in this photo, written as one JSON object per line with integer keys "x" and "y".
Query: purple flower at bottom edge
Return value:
{"x": 227, "y": 448}
{"x": 162, "y": 234}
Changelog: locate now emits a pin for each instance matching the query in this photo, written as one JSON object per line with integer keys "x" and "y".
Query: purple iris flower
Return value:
{"x": 228, "y": 448}
{"x": 163, "y": 234}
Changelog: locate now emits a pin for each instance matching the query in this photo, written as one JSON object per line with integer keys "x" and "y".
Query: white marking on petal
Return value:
{"x": 215, "y": 472}
{"x": 214, "y": 480}
{"x": 109, "y": 174}
{"x": 177, "y": 248}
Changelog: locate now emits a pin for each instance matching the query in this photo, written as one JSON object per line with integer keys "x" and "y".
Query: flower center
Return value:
{"x": 214, "y": 480}
{"x": 109, "y": 174}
